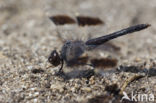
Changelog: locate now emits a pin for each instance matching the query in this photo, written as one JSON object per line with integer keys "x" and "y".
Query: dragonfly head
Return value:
{"x": 54, "y": 58}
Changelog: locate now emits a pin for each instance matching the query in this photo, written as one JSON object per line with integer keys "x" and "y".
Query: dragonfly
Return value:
{"x": 72, "y": 50}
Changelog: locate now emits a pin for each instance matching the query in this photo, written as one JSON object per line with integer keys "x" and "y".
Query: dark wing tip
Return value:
{"x": 104, "y": 62}
{"x": 86, "y": 20}
{"x": 62, "y": 19}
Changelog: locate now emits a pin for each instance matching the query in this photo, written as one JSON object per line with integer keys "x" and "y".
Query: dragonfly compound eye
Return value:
{"x": 54, "y": 58}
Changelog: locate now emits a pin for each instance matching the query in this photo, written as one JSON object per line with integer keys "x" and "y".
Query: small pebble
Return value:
{"x": 86, "y": 89}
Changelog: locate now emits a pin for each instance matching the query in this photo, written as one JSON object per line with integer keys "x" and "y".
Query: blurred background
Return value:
{"x": 26, "y": 25}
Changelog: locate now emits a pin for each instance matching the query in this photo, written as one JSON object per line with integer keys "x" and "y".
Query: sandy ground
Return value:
{"x": 27, "y": 37}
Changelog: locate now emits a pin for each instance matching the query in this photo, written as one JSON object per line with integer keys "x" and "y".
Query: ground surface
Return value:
{"x": 27, "y": 37}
